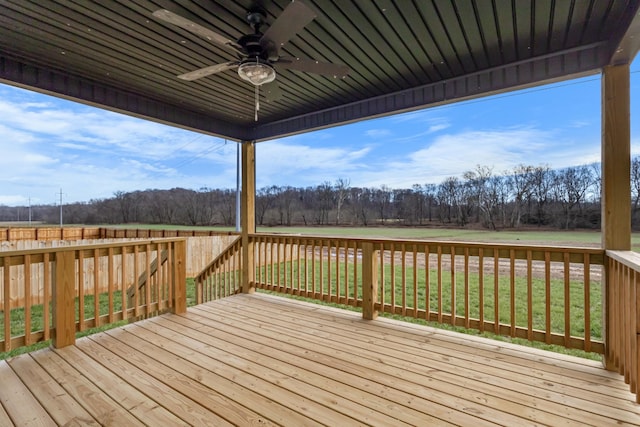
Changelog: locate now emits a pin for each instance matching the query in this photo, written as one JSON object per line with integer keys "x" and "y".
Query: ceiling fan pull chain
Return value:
{"x": 257, "y": 102}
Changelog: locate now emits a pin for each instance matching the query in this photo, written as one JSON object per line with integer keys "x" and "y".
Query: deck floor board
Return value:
{"x": 264, "y": 360}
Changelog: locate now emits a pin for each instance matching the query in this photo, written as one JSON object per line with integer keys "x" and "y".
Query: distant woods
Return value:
{"x": 524, "y": 196}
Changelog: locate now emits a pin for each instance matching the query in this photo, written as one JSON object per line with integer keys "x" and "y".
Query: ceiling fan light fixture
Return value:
{"x": 257, "y": 73}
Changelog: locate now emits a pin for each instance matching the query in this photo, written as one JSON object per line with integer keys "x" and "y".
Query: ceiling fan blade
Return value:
{"x": 175, "y": 19}
{"x": 313, "y": 66}
{"x": 291, "y": 21}
{"x": 207, "y": 71}
{"x": 271, "y": 91}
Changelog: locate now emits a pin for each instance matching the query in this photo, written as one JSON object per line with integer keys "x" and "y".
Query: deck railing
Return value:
{"x": 623, "y": 328}
{"x": 221, "y": 277}
{"x": 61, "y": 291}
{"x": 537, "y": 293}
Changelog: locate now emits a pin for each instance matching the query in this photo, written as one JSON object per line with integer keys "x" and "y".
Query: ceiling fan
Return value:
{"x": 259, "y": 53}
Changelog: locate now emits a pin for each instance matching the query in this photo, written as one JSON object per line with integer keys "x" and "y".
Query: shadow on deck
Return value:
{"x": 264, "y": 360}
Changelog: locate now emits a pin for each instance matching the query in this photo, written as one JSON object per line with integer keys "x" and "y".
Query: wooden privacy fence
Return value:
{"x": 82, "y": 233}
{"x": 538, "y": 293}
{"x": 71, "y": 298}
{"x": 50, "y": 233}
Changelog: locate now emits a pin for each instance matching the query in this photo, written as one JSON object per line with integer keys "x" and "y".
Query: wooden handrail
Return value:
{"x": 220, "y": 277}
{"x": 142, "y": 278}
{"x": 85, "y": 288}
{"x": 621, "y": 316}
{"x": 522, "y": 291}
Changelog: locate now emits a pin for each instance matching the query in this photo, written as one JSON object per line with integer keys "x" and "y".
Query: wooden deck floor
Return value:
{"x": 264, "y": 360}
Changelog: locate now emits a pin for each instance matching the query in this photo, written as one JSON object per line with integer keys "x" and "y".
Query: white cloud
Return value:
{"x": 438, "y": 127}
{"x": 287, "y": 163}
{"x": 453, "y": 154}
{"x": 378, "y": 133}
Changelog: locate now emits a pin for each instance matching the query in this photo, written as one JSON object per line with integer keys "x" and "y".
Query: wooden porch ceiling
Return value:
{"x": 403, "y": 55}
{"x": 264, "y": 360}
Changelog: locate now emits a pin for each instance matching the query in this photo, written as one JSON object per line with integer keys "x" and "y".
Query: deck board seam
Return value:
{"x": 551, "y": 401}
{"x": 470, "y": 403}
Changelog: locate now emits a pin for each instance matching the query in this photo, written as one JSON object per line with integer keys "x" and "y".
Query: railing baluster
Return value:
{"x": 415, "y": 280}
{"x": 466, "y": 288}
{"x": 174, "y": 253}
{"x": 567, "y": 301}
{"x": 529, "y": 295}
{"x": 547, "y": 296}
{"x": 321, "y": 269}
{"x": 329, "y": 276}
{"x": 81, "y": 291}
{"x": 439, "y": 284}
{"x": 403, "y": 269}
{"x": 111, "y": 275}
{"x": 298, "y": 266}
{"x": 481, "y": 288}
{"x": 355, "y": 273}
{"x": 285, "y": 270}
{"x": 313, "y": 268}
{"x": 136, "y": 274}
{"x": 427, "y": 280}
{"x": 512, "y": 293}
{"x": 123, "y": 285}
{"x": 338, "y": 283}
{"x": 587, "y": 302}
{"x": 147, "y": 285}
{"x": 46, "y": 313}
{"x": 291, "y": 264}
{"x": 496, "y": 291}
{"x": 382, "y": 280}
{"x": 346, "y": 271}
{"x": 453, "y": 285}
{"x": 392, "y": 273}
{"x": 7, "y": 302}
{"x": 27, "y": 299}
{"x": 306, "y": 267}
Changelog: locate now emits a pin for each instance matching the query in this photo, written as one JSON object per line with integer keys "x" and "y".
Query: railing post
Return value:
{"x": 616, "y": 182}
{"x": 64, "y": 310}
{"x": 180, "y": 277}
{"x": 248, "y": 215}
{"x": 369, "y": 281}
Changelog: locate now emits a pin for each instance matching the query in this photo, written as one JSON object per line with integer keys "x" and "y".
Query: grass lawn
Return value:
{"x": 287, "y": 272}
{"x": 529, "y": 236}
{"x": 568, "y": 238}
{"x": 37, "y": 318}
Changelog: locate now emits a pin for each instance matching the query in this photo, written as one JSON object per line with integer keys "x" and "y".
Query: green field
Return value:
{"x": 290, "y": 272}
{"x": 565, "y": 238}
{"x": 528, "y": 236}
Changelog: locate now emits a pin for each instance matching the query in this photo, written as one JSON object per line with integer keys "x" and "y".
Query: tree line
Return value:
{"x": 524, "y": 196}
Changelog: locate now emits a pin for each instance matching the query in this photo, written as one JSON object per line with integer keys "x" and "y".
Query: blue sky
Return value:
{"x": 50, "y": 144}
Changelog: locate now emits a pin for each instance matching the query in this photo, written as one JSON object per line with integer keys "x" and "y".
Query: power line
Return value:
{"x": 208, "y": 150}
{"x": 198, "y": 136}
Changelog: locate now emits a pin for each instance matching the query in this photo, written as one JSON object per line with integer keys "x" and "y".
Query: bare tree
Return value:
{"x": 341, "y": 189}
{"x": 542, "y": 182}
{"x": 382, "y": 200}
{"x": 522, "y": 180}
{"x": 265, "y": 199}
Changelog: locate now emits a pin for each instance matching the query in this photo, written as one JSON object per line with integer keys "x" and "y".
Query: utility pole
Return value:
{"x": 29, "y": 210}
{"x": 61, "y": 208}
{"x": 238, "y": 187}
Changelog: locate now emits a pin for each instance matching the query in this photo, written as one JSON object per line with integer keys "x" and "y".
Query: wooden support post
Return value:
{"x": 369, "y": 281}
{"x": 180, "y": 277}
{"x": 616, "y": 181}
{"x": 64, "y": 310}
{"x": 248, "y": 215}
